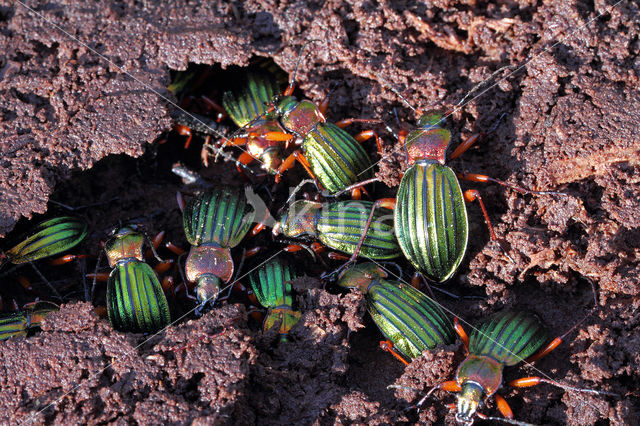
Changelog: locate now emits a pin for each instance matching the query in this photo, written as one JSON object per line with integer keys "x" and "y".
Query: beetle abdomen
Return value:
{"x": 135, "y": 299}
{"x": 508, "y": 337}
{"x": 48, "y": 238}
{"x": 409, "y": 318}
{"x": 431, "y": 219}
{"x": 252, "y": 99}
{"x": 271, "y": 283}
{"x": 340, "y": 226}
{"x": 218, "y": 216}
{"x": 336, "y": 158}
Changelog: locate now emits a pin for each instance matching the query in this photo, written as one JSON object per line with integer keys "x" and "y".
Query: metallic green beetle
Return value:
{"x": 329, "y": 154}
{"x": 430, "y": 216}
{"x": 48, "y": 238}
{"x": 135, "y": 299}
{"x": 214, "y": 222}
{"x": 411, "y": 320}
{"x": 340, "y": 225}
{"x": 504, "y": 339}
{"x": 271, "y": 284}
{"x": 248, "y": 106}
{"x": 20, "y": 323}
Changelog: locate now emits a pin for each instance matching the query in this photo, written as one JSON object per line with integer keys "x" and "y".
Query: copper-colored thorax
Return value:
{"x": 207, "y": 259}
{"x": 428, "y": 144}
{"x": 361, "y": 276}
{"x": 483, "y": 370}
{"x": 126, "y": 243}
{"x": 299, "y": 220}
{"x": 302, "y": 118}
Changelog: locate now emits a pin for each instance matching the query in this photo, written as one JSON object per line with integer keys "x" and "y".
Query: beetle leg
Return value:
{"x": 100, "y": 276}
{"x": 525, "y": 382}
{"x": 67, "y": 258}
{"x": 356, "y": 193}
{"x": 257, "y": 229}
{"x": 387, "y": 346}
{"x": 252, "y": 252}
{"x": 473, "y": 195}
{"x": 277, "y": 136}
{"x": 234, "y": 142}
{"x": 463, "y": 334}
{"x": 167, "y": 284}
{"x": 163, "y": 266}
{"x": 286, "y": 165}
{"x": 174, "y": 248}
{"x": 545, "y": 351}
{"x": 305, "y": 163}
{"x": 245, "y": 159}
{"x": 316, "y": 248}
{"x": 416, "y": 280}
{"x": 474, "y": 177}
{"x": 503, "y": 407}
{"x": 215, "y": 106}
{"x": 324, "y": 105}
{"x": 290, "y": 160}
{"x": 292, "y": 248}
{"x": 466, "y": 144}
{"x": 25, "y": 283}
{"x": 180, "y": 201}
{"x": 337, "y": 256}
{"x": 184, "y": 131}
{"x": 449, "y": 386}
{"x": 368, "y": 134}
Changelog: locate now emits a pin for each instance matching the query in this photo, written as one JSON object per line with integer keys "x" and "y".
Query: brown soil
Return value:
{"x": 570, "y": 125}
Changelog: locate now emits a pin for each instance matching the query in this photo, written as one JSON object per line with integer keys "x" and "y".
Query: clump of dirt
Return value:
{"x": 567, "y": 122}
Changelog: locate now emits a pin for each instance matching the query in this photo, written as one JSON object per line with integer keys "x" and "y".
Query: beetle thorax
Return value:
{"x": 209, "y": 259}
{"x": 299, "y": 220}
{"x": 302, "y": 117}
{"x": 483, "y": 370}
{"x": 123, "y": 247}
{"x": 428, "y": 144}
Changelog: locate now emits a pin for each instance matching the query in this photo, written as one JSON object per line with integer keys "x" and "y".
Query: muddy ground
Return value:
{"x": 83, "y": 88}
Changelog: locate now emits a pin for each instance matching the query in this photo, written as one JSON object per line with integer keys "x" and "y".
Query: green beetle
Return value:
{"x": 411, "y": 320}
{"x": 502, "y": 340}
{"x": 214, "y": 222}
{"x": 135, "y": 299}
{"x": 20, "y": 323}
{"x": 271, "y": 283}
{"x": 328, "y": 153}
{"x": 262, "y": 134}
{"x": 48, "y": 238}
{"x": 430, "y": 216}
{"x": 340, "y": 225}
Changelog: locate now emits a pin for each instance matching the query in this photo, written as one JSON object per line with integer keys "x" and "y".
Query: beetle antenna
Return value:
{"x": 396, "y": 91}
{"x": 292, "y": 80}
{"x": 482, "y": 84}
{"x": 593, "y": 310}
{"x": 46, "y": 281}
{"x": 298, "y": 188}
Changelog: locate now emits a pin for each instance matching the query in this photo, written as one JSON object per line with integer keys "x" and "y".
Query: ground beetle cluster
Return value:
{"x": 426, "y": 223}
